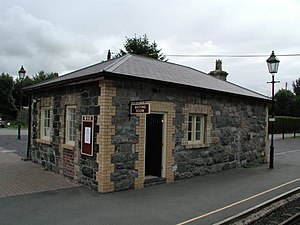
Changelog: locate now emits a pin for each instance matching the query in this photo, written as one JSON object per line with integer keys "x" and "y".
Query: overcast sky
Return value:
{"x": 65, "y": 35}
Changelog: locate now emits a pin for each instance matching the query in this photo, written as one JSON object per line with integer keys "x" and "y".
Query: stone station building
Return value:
{"x": 133, "y": 121}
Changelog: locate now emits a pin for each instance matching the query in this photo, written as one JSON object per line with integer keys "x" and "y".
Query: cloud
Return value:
{"x": 62, "y": 36}
{"x": 39, "y": 45}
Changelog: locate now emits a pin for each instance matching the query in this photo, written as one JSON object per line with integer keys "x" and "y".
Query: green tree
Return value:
{"x": 10, "y": 92}
{"x": 296, "y": 106}
{"x": 142, "y": 46}
{"x": 27, "y": 81}
{"x": 296, "y": 87}
{"x": 284, "y": 103}
{"x": 7, "y": 101}
{"x": 42, "y": 76}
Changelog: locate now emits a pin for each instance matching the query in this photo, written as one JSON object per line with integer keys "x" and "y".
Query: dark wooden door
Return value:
{"x": 154, "y": 133}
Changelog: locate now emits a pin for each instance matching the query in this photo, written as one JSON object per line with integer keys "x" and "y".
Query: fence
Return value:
{"x": 286, "y": 125}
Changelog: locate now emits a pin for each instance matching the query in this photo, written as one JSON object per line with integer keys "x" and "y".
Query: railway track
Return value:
{"x": 294, "y": 220}
{"x": 282, "y": 210}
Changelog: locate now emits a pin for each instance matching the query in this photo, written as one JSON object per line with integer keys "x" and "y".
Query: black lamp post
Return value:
{"x": 273, "y": 63}
{"x": 22, "y": 73}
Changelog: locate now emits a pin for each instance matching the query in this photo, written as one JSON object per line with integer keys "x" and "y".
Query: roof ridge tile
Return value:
{"x": 119, "y": 62}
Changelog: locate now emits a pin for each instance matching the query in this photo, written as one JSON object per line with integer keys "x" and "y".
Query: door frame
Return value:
{"x": 164, "y": 147}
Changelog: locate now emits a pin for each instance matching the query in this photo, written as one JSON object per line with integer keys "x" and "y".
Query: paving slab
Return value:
{"x": 18, "y": 177}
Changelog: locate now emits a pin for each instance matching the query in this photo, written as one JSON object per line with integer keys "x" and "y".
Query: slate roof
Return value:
{"x": 147, "y": 68}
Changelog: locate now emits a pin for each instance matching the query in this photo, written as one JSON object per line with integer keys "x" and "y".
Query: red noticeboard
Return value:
{"x": 87, "y": 136}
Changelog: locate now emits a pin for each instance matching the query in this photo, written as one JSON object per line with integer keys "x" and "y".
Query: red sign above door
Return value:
{"x": 137, "y": 108}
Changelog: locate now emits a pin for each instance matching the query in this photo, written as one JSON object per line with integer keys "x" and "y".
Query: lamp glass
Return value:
{"x": 273, "y": 63}
{"x": 273, "y": 67}
{"x": 22, "y": 73}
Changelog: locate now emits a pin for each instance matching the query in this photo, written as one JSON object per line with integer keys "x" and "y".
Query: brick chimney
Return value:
{"x": 219, "y": 73}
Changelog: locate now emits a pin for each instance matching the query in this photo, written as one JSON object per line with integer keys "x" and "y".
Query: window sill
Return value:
{"x": 197, "y": 145}
{"x": 43, "y": 141}
{"x": 68, "y": 146}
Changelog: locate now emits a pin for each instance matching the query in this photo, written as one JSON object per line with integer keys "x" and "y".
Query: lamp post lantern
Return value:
{"x": 273, "y": 63}
{"x": 22, "y": 73}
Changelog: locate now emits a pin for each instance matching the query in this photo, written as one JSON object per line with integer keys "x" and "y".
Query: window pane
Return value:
{"x": 190, "y": 124}
{"x": 190, "y": 127}
{"x": 198, "y": 136}
{"x": 198, "y": 126}
{"x": 70, "y": 124}
{"x": 189, "y": 136}
{"x": 47, "y": 131}
{"x": 73, "y": 116}
{"x": 45, "y": 123}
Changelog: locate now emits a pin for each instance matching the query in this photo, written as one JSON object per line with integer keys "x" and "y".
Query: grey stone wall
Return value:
{"x": 124, "y": 141}
{"x": 238, "y": 131}
{"x": 51, "y": 155}
{"x": 238, "y": 138}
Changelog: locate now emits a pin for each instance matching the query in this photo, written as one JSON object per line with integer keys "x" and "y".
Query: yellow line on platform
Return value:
{"x": 237, "y": 203}
{"x": 283, "y": 153}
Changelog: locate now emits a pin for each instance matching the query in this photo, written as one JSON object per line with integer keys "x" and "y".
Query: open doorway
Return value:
{"x": 154, "y": 146}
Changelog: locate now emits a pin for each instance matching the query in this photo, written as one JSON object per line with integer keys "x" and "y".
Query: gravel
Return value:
{"x": 281, "y": 214}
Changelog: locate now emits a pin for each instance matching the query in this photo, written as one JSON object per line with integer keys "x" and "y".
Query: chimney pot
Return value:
{"x": 218, "y": 72}
{"x": 108, "y": 55}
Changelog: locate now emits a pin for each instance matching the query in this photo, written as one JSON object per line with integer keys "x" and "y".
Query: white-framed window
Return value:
{"x": 196, "y": 128}
{"x": 70, "y": 124}
{"x": 45, "y": 123}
